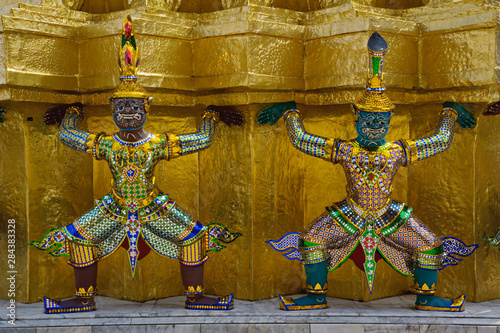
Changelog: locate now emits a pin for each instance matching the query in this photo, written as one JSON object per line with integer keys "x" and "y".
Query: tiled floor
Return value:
{"x": 394, "y": 314}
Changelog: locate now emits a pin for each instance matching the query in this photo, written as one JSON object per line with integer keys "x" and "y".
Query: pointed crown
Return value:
{"x": 128, "y": 61}
{"x": 374, "y": 99}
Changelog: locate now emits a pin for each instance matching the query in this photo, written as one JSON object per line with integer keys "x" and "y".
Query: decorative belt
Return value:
{"x": 141, "y": 203}
{"x": 368, "y": 214}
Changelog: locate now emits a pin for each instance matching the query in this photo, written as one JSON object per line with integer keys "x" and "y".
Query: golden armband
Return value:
{"x": 173, "y": 147}
{"x": 289, "y": 113}
{"x": 329, "y": 146}
{"x": 210, "y": 114}
{"x": 450, "y": 111}
{"x": 75, "y": 109}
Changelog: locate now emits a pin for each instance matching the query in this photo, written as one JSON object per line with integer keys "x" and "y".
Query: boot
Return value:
{"x": 317, "y": 286}
{"x": 192, "y": 278}
{"x": 425, "y": 288}
{"x": 85, "y": 282}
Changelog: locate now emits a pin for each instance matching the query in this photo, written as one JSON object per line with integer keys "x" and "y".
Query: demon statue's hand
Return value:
{"x": 492, "y": 109}
{"x": 273, "y": 113}
{"x": 56, "y": 114}
{"x": 465, "y": 118}
{"x": 229, "y": 115}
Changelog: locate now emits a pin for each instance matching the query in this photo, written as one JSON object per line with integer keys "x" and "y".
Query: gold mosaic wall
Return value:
{"x": 249, "y": 54}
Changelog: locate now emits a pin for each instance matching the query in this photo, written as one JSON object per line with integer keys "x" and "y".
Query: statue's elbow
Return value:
{"x": 208, "y": 141}
{"x": 444, "y": 147}
{"x": 296, "y": 142}
{"x": 448, "y": 141}
{"x": 61, "y": 136}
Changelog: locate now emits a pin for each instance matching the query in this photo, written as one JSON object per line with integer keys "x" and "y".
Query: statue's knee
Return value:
{"x": 81, "y": 256}
{"x": 195, "y": 253}
{"x": 312, "y": 253}
{"x": 431, "y": 259}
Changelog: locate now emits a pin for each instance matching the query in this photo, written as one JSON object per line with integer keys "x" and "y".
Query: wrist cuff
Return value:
{"x": 290, "y": 112}
{"x": 74, "y": 109}
{"x": 210, "y": 114}
{"x": 450, "y": 111}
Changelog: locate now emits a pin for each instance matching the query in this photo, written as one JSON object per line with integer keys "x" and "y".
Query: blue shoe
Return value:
{"x": 52, "y": 306}
{"x": 224, "y": 303}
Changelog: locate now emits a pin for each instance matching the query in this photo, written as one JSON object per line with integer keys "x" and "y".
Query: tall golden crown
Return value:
{"x": 128, "y": 61}
{"x": 374, "y": 99}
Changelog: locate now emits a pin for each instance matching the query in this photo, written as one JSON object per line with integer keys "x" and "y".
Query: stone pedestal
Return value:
{"x": 249, "y": 55}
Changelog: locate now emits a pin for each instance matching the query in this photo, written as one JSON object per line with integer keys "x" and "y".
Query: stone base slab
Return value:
{"x": 394, "y": 314}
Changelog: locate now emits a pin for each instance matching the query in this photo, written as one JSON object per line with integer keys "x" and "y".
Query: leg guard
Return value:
{"x": 192, "y": 257}
{"x": 192, "y": 278}
{"x": 81, "y": 256}
{"x": 85, "y": 281}
{"x": 194, "y": 254}
{"x": 316, "y": 268}
{"x": 431, "y": 259}
{"x": 426, "y": 273}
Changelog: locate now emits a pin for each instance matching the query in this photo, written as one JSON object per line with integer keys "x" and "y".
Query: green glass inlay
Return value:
{"x": 398, "y": 221}
{"x": 131, "y": 40}
{"x": 369, "y": 242}
{"x": 494, "y": 240}
{"x": 346, "y": 224}
{"x": 436, "y": 251}
{"x": 375, "y": 65}
{"x": 308, "y": 244}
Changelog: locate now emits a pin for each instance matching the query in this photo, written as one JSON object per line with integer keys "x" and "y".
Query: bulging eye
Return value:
{"x": 136, "y": 108}
{"x": 120, "y": 108}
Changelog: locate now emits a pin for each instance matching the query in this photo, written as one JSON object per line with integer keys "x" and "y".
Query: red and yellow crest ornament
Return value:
{"x": 128, "y": 61}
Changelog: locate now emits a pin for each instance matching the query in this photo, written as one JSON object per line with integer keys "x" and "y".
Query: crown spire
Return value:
{"x": 374, "y": 99}
{"x": 128, "y": 62}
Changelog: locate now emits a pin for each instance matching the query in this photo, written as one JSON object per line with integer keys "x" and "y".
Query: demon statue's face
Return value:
{"x": 372, "y": 128}
{"x": 129, "y": 113}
